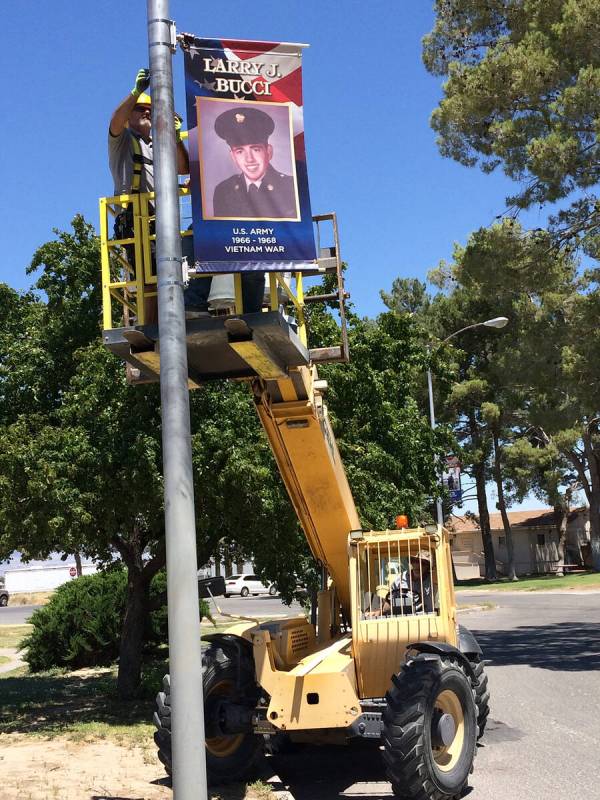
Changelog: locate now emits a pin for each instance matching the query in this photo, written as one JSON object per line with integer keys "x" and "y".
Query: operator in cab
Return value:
{"x": 412, "y": 591}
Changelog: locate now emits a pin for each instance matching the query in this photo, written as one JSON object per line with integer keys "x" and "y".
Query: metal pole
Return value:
{"x": 185, "y": 658}
{"x": 438, "y": 501}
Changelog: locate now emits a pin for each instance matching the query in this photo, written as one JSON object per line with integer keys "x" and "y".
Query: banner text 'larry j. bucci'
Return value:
{"x": 250, "y": 199}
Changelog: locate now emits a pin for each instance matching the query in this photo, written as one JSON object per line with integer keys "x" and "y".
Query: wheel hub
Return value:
{"x": 443, "y": 729}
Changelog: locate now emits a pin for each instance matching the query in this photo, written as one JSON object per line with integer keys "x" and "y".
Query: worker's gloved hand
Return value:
{"x": 142, "y": 82}
{"x": 178, "y": 122}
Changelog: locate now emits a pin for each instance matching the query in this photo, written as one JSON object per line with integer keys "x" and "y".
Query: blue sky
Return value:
{"x": 372, "y": 156}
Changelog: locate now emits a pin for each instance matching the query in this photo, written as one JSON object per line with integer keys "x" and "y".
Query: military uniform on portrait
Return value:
{"x": 274, "y": 199}
{"x": 259, "y": 191}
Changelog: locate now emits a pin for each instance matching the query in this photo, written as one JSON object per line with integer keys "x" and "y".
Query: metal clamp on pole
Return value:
{"x": 187, "y": 725}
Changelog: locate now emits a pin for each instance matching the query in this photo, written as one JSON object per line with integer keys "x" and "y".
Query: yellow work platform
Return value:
{"x": 263, "y": 344}
{"x": 269, "y": 344}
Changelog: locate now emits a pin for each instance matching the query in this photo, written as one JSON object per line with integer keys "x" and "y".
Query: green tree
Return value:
{"x": 80, "y": 449}
{"x": 544, "y": 367}
{"x": 535, "y": 463}
{"x": 523, "y": 80}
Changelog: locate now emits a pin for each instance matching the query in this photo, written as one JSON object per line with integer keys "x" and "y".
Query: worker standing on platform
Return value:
{"x": 131, "y": 164}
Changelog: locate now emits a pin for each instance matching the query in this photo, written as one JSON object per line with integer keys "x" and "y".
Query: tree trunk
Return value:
{"x": 484, "y": 515}
{"x": 510, "y": 550}
{"x": 561, "y": 512}
{"x": 78, "y": 566}
{"x": 132, "y": 634}
{"x": 594, "y": 498}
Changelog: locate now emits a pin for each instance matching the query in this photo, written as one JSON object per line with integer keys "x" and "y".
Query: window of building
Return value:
{"x": 502, "y": 541}
{"x": 541, "y": 539}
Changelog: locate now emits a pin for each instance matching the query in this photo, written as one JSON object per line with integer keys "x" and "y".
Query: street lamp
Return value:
{"x": 495, "y": 322}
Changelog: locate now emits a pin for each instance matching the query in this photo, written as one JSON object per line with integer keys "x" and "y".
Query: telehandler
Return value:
{"x": 387, "y": 659}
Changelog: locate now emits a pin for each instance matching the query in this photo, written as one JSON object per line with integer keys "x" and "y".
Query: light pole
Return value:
{"x": 495, "y": 322}
{"x": 185, "y": 656}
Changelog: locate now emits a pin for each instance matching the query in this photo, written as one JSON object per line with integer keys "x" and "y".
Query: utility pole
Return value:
{"x": 438, "y": 500}
{"x": 185, "y": 658}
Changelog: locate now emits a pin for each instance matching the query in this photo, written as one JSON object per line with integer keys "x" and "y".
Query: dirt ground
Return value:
{"x": 33, "y": 768}
{"x": 60, "y": 769}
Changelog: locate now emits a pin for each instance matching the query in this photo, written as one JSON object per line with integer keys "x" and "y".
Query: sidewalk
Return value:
{"x": 15, "y": 659}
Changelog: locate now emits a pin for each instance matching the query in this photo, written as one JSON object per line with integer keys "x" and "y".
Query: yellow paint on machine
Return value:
{"x": 300, "y": 435}
{"x": 258, "y": 360}
{"x": 319, "y": 692}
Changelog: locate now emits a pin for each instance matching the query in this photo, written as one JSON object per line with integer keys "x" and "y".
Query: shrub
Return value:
{"x": 81, "y": 625}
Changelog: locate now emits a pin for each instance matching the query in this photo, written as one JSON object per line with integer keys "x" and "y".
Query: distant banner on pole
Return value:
{"x": 250, "y": 198}
{"x": 452, "y": 479}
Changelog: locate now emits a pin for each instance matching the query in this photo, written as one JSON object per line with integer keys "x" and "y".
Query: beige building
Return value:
{"x": 535, "y": 541}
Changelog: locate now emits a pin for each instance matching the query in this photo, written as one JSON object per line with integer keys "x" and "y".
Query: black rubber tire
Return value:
{"x": 413, "y": 765}
{"x": 239, "y": 752}
{"x": 482, "y": 694}
{"x": 244, "y": 591}
{"x": 272, "y": 591}
{"x": 226, "y": 595}
{"x": 3, "y": 600}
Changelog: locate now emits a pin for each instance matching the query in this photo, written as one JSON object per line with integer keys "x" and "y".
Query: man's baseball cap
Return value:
{"x": 421, "y": 555}
{"x": 241, "y": 126}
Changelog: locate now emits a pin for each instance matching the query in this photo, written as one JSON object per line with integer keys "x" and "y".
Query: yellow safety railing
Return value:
{"x": 128, "y": 281}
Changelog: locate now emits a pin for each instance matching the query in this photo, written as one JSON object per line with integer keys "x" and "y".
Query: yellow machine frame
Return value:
{"x": 332, "y": 677}
{"x": 136, "y": 284}
{"x": 319, "y": 684}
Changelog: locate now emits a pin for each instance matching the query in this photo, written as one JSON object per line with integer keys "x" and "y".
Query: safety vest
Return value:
{"x": 138, "y": 161}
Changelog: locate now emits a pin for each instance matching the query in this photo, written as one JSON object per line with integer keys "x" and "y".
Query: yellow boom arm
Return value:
{"x": 297, "y": 425}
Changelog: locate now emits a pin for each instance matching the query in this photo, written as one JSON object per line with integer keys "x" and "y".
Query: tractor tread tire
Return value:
{"x": 482, "y": 695}
{"x": 405, "y": 743}
{"x": 216, "y": 662}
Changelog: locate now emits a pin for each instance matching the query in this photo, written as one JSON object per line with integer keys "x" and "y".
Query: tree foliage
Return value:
{"x": 534, "y": 380}
{"x": 80, "y": 449}
{"x": 522, "y": 92}
{"x": 523, "y": 81}
{"x": 81, "y": 625}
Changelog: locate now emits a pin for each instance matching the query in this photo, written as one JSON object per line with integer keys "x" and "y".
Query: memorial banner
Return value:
{"x": 451, "y": 478}
{"x": 250, "y": 199}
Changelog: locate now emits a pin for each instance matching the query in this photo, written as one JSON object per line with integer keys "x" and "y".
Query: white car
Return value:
{"x": 247, "y": 584}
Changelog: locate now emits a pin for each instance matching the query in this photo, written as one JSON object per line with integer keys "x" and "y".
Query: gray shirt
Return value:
{"x": 120, "y": 161}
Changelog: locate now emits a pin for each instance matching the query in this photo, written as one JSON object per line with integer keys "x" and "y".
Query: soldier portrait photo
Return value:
{"x": 247, "y": 144}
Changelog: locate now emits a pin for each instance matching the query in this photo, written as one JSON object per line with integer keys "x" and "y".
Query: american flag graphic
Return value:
{"x": 282, "y": 57}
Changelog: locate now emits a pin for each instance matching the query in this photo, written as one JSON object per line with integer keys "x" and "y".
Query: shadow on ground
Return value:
{"x": 234, "y": 792}
{"x": 565, "y": 646}
{"x": 50, "y": 703}
{"x": 329, "y": 772}
{"x": 326, "y": 772}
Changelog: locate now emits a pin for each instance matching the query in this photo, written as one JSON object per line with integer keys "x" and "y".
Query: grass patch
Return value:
{"x": 4, "y": 660}
{"x": 259, "y": 790}
{"x": 12, "y": 635}
{"x": 30, "y": 598}
{"x": 532, "y": 584}
{"x": 81, "y": 705}
{"x": 487, "y": 606}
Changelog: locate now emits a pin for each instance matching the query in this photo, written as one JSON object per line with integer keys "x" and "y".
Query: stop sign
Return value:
{"x": 72, "y": 572}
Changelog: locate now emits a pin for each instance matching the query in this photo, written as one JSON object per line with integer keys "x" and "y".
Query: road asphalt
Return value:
{"x": 543, "y": 735}
{"x": 16, "y": 615}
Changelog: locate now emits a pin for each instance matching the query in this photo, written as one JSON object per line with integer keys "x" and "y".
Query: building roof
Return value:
{"x": 535, "y": 518}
